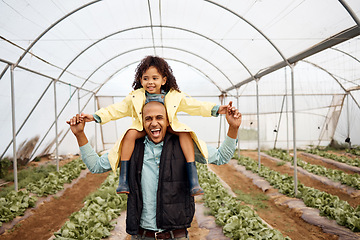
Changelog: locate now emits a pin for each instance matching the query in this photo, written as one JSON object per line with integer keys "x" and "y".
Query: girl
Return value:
{"x": 154, "y": 81}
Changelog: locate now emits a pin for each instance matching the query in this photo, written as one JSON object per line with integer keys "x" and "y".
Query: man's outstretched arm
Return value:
{"x": 91, "y": 159}
{"x": 233, "y": 117}
{"x": 77, "y": 126}
{"x": 224, "y": 153}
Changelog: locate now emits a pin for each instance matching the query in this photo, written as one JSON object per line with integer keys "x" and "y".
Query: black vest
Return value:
{"x": 175, "y": 207}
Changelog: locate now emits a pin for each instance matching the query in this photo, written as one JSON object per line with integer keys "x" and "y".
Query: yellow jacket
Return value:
{"x": 132, "y": 105}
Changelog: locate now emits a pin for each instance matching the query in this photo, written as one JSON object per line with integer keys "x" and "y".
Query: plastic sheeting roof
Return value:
{"x": 93, "y": 45}
{"x": 241, "y": 38}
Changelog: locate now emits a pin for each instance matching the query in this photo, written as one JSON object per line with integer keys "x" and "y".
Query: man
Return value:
{"x": 159, "y": 204}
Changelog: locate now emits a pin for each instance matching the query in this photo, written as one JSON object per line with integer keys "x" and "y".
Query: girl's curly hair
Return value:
{"x": 163, "y": 68}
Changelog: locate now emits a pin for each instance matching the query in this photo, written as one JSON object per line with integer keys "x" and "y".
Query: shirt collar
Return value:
{"x": 147, "y": 141}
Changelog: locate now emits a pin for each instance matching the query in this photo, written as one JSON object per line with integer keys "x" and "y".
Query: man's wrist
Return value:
{"x": 232, "y": 132}
{"x": 81, "y": 138}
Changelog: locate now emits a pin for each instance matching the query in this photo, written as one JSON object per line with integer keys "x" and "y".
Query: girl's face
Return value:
{"x": 152, "y": 80}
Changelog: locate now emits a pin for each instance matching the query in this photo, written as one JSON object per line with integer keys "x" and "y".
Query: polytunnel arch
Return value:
{"x": 225, "y": 8}
{"x": 344, "y": 4}
{"x": 161, "y": 26}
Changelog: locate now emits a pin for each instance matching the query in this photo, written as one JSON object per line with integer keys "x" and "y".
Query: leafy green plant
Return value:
{"x": 238, "y": 221}
{"x": 27, "y": 176}
{"x": 354, "y": 151}
{"x": 95, "y": 219}
{"x": 5, "y": 164}
{"x": 329, "y": 205}
{"x": 353, "y": 162}
{"x": 15, "y": 204}
{"x": 55, "y": 180}
{"x": 352, "y": 180}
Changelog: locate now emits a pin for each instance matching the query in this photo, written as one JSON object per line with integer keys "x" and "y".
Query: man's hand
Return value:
{"x": 77, "y": 125}
{"x": 233, "y": 117}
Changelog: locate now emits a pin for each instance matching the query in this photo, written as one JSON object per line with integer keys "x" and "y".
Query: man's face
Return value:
{"x": 155, "y": 121}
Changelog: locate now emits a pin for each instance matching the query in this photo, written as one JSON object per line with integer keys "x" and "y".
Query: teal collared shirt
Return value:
{"x": 150, "y": 171}
{"x": 149, "y": 183}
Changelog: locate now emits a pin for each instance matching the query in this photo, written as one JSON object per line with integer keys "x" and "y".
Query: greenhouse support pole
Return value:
{"x": 27, "y": 117}
{"x": 95, "y": 145}
{"x": 222, "y": 103}
{"x": 56, "y": 130}
{"x": 287, "y": 114}
{"x": 294, "y": 128}
{"x": 238, "y": 134}
{"x": 78, "y": 97}
{"x": 348, "y": 119}
{"x": 224, "y": 121}
{"x": 13, "y": 126}
{"x": 258, "y": 120}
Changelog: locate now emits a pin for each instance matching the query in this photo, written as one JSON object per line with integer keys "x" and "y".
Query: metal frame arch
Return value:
{"x": 351, "y": 12}
{"x": 253, "y": 26}
{"x": 350, "y": 56}
{"x": 345, "y": 90}
{"x": 166, "y": 47}
{"x": 343, "y": 3}
{"x": 127, "y": 65}
{"x": 158, "y": 26}
{"x": 50, "y": 27}
{"x": 345, "y": 53}
{"x": 327, "y": 43}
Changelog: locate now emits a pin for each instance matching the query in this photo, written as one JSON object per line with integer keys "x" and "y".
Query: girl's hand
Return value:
{"x": 87, "y": 117}
{"x": 77, "y": 124}
{"x": 223, "y": 109}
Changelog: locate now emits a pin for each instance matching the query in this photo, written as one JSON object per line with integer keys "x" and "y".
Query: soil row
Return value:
{"x": 51, "y": 215}
{"x": 286, "y": 220}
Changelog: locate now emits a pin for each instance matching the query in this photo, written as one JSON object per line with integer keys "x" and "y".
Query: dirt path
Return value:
{"x": 49, "y": 217}
{"x": 286, "y": 220}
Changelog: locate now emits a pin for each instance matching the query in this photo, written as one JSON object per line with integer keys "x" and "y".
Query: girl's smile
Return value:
{"x": 152, "y": 80}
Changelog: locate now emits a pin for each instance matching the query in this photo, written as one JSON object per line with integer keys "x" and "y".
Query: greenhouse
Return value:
{"x": 292, "y": 68}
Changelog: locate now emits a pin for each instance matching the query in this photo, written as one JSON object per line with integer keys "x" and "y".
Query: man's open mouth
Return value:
{"x": 155, "y": 132}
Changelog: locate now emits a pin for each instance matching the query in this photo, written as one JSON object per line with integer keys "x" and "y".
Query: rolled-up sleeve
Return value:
{"x": 219, "y": 156}
{"x": 92, "y": 160}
